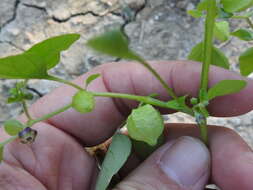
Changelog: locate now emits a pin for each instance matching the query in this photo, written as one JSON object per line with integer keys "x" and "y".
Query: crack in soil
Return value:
{"x": 60, "y": 20}
{"x": 36, "y": 7}
{"x": 126, "y": 19}
{"x": 16, "y": 4}
{"x": 13, "y": 45}
{"x": 54, "y": 18}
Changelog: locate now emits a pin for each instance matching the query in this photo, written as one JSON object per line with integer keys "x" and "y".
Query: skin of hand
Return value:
{"x": 57, "y": 160}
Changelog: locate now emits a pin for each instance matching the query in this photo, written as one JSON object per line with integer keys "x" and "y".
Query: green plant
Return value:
{"x": 145, "y": 124}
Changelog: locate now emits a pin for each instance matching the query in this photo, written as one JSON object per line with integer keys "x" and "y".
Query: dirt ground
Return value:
{"x": 158, "y": 30}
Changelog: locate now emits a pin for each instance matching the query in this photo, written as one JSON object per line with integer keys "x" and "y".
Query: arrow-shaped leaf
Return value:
{"x": 113, "y": 43}
{"x": 91, "y": 78}
{"x": 243, "y": 34}
{"x": 226, "y": 87}
{"x": 34, "y": 63}
{"x": 115, "y": 158}
{"x": 236, "y": 5}
{"x": 218, "y": 57}
{"x": 246, "y": 62}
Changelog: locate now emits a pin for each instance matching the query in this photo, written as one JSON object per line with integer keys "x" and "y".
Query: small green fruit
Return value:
{"x": 145, "y": 124}
{"x": 83, "y": 102}
{"x": 13, "y": 127}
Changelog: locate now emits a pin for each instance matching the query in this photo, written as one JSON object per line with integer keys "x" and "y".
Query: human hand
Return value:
{"x": 57, "y": 160}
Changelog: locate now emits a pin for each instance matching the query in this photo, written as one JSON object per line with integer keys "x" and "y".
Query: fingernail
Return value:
{"x": 186, "y": 161}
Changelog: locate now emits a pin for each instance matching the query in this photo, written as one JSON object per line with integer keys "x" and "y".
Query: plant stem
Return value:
{"x": 65, "y": 82}
{"x": 47, "y": 116}
{"x": 143, "y": 99}
{"x": 8, "y": 140}
{"x": 207, "y": 60}
{"x": 249, "y": 22}
{"x": 204, "y": 133}
{"x": 208, "y": 46}
{"x": 26, "y": 110}
{"x": 164, "y": 84}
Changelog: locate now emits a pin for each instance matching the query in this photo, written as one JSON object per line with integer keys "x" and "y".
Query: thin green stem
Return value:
{"x": 239, "y": 17}
{"x": 164, "y": 84}
{"x": 65, "y": 82}
{"x": 8, "y": 140}
{"x": 143, "y": 62}
{"x": 249, "y": 22}
{"x": 143, "y": 99}
{"x": 208, "y": 46}
{"x": 147, "y": 100}
{"x": 24, "y": 105}
{"x": 207, "y": 60}
{"x": 244, "y": 16}
{"x": 127, "y": 96}
{"x": 47, "y": 116}
{"x": 204, "y": 133}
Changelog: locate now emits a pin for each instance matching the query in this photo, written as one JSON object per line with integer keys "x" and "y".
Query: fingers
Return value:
{"x": 95, "y": 127}
{"x": 178, "y": 165}
{"x": 232, "y": 159}
{"x": 12, "y": 177}
{"x": 55, "y": 159}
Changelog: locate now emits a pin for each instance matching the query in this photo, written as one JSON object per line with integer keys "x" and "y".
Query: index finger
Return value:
{"x": 132, "y": 78}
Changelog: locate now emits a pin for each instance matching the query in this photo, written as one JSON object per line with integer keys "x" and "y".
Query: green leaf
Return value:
{"x": 144, "y": 150}
{"x": 222, "y": 31}
{"x": 243, "y": 34}
{"x": 178, "y": 104}
{"x": 246, "y": 62}
{"x": 195, "y": 13}
{"x": 34, "y": 63}
{"x": 115, "y": 158}
{"x": 13, "y": 127}
{"x": 226, "y": 87}
{"x": 50, "y": 49}
{"x": 83, "y": 102}
{"x": 23, "y": 66}
{"x": 1, "y": 153}
{"x": 113, "y": 43}
{"x": 19, "y": 93}
{"x": 218, "y": 58}
{"x": 202, "y": 6}
{"x": 91, "y": 78}
{"x": 145, "y": 124}
{"x": 236, "y": 5}
{"x": 223, "y": 14}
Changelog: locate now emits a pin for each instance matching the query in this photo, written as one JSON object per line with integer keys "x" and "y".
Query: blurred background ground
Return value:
{"x": 158, "y": 29}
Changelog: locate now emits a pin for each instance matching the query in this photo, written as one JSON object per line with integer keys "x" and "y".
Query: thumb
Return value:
{"x": 182, "y": 164}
